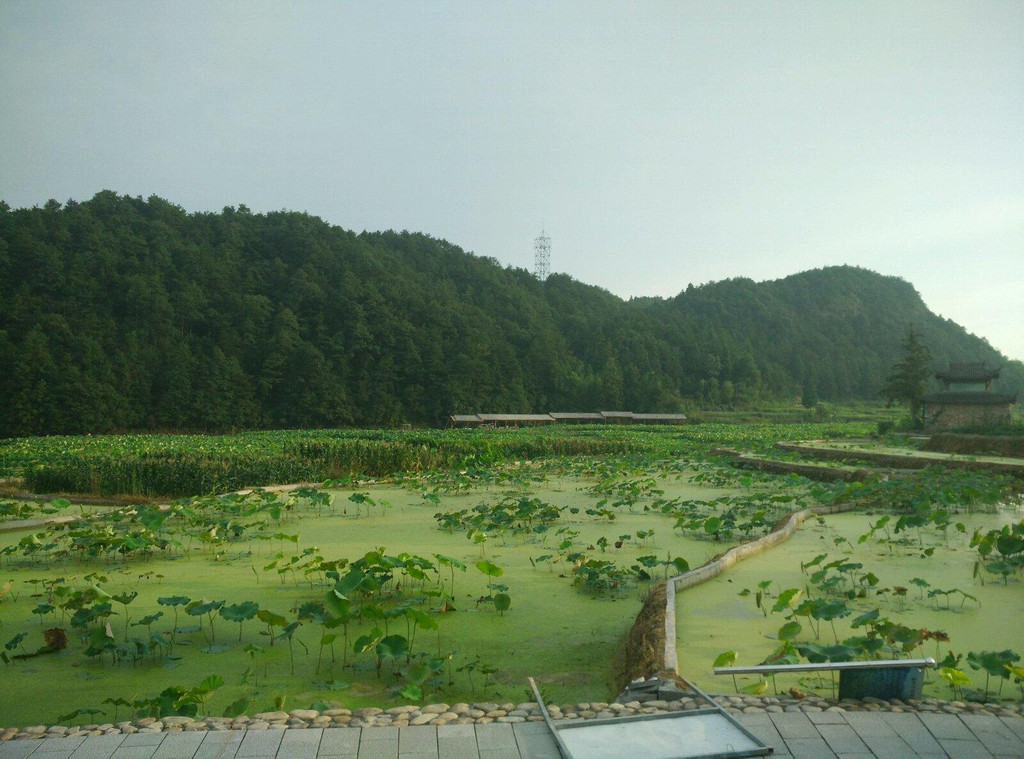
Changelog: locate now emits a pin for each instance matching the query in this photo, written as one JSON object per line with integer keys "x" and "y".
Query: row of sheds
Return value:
{"x": 596, "y": 417}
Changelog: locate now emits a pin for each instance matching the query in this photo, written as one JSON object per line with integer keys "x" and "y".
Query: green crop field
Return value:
{"x": 187, "y": 465}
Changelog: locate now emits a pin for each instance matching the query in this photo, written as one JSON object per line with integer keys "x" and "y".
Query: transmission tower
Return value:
{"x": 542, "y": 256}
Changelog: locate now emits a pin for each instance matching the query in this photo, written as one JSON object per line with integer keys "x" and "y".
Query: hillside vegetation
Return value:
{"x": 120, "y": 313}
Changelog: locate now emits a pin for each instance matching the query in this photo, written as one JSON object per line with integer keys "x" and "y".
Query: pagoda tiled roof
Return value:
{"x": 977, "y": 398}
{"x": 967, "y": 372}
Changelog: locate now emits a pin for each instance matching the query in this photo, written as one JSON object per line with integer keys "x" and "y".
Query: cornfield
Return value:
{"x": 187, "y": 465}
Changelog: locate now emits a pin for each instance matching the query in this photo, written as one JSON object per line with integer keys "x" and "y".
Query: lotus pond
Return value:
{"x": 357, "y": 597}
{"x": 457, "y": 585}
{"x": 843, "y": 587}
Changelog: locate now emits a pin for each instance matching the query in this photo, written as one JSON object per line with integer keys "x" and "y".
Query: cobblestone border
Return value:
{"x": 485, "y": 712}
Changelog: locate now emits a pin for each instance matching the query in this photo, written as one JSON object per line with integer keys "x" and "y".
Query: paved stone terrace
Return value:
{"x": 799, "y": 735}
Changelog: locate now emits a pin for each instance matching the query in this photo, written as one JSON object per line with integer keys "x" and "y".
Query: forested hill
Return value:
{"x": 123, "y": 313}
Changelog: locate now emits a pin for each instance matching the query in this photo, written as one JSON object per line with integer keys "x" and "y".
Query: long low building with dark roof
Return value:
{"x": 563, "y": 417}
{"x": 577, "y": 417}
{"x": 660, "y": 418}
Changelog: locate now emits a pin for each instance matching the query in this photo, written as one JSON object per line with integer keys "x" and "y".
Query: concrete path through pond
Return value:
{"x": 824, "y": 735}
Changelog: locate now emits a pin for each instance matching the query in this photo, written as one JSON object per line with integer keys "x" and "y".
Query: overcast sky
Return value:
{"x": 658, "y": 144}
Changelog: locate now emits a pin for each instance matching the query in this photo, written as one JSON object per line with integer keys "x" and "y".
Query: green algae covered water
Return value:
{"x": 561, "y": 634}
{"x": 723, "y": 614}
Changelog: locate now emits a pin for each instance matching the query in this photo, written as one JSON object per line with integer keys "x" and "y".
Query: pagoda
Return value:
{"x": 967, "y": 399}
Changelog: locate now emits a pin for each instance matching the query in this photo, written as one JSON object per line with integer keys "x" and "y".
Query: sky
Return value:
{"x": 657, "y": 143}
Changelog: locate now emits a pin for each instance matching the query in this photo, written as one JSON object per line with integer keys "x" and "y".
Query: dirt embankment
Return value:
{"x": 641, "y": 652}
{"x": 976, "y": 445}
{"x": 817, "y": 472}
{"x": 899, "y": 460}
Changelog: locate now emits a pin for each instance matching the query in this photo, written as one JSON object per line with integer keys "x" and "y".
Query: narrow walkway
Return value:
{"x": 824, "y": 735}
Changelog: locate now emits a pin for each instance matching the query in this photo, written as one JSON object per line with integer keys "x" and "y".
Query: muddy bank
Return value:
{"x": 640, "y": 654}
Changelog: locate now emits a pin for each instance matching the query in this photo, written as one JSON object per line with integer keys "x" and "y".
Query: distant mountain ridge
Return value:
{"x": 120, "y": 313}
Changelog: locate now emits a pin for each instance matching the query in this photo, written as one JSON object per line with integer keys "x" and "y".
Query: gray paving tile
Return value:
{"x": 301, "y": 744}
{"x": 379, "y": 734}
{"x": 134, "y": 752}
{"x": 537, "y": 746}
{"x": 843, "y": 739}
{"x": 866, "y": 723}
{"x": 142, "y": 739}
{"x": 1016, "y": 724}
{"x": 420, "y": 739}
{"x": 57, "y": 748}
{"x": 889, "y": 747}
{"x": 497, "y": 735}
{"x": 260, "y": 743}
{"x": 946, "y": 726}
{"x": 531, "y": 728}
{"x": 768, "y": 735}
{"x": 794, "y": 725}
{"x": 19, "y": 749}
{"x": 456, "y": 731}
{"x": 913, "y": 731}
{"x": 505, "y": 752}
{"x": 754, "y": 719}
{"x": 824, "y": 735}
{"x": 179, "y": 745}
{"x": 341, "y": 741}
{"x": 457, "y": 747}
{"x": 809, "y": 748}
{"x": 98, "y": 747}
{"x": 220, "y": 744}
{"x": 965, "y": 749}
{"x": 827, "y": 718}
{"x": 51, "y": 748}
{"x": 999, "y": 739}
{"x": 378, "y": 749}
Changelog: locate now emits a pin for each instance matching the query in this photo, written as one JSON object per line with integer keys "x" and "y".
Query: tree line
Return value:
{"x": 123, "y": 313}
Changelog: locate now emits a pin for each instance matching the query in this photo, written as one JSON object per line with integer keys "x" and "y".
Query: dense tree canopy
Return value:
{"x": 124, "y": 313}
{"x": 909, "y": 376}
